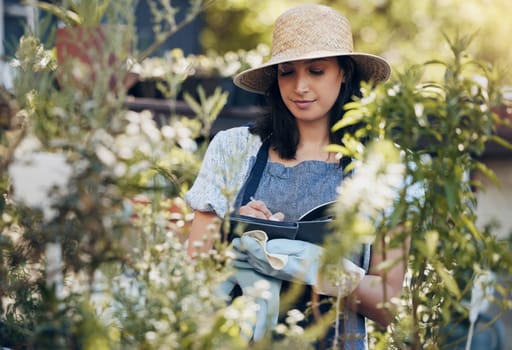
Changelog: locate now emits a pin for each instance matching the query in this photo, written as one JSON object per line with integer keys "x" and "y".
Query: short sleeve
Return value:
{"x": 414, "y": 193}
{"x": 223, "y": 171}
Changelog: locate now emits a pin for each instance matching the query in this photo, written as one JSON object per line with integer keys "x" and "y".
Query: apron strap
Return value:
{"x": 253, "y": 181}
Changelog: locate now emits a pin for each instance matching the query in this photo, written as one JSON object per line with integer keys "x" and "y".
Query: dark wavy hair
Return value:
{"x": 280, "y": 125}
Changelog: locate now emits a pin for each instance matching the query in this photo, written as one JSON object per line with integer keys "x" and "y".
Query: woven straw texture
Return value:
{"x": 307, "y": 32}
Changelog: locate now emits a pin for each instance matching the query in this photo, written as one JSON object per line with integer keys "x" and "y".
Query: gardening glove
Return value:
{"x": 293, "y": 260}
{"x": 276, "y": 261}
{"x": 268, "y": 312}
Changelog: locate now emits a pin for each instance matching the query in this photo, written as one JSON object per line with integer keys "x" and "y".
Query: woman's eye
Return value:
{"x": 316, "y": 71}
{"x": 283, "y": 73}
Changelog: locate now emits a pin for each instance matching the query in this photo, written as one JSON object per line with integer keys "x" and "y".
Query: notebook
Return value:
{"x": 312, "y": 226}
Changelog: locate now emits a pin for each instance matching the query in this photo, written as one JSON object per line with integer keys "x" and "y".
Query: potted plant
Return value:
{"x": 83, "y": 38}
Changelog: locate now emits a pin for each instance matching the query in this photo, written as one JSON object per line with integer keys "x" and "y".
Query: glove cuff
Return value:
{"x": 277, "y": 261}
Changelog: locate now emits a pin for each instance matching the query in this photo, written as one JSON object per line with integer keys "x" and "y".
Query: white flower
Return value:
{"x": 373, "y": 187}
{"x": 254, "y": 58}
{"x": 156, "y": 277}
{"x": 231, "y": 313}
{"x": 39, "y": 180}
{"x": 419, "y": 109}
{"x": 260, "y": 289}
{"x": 106, "y": 156}
{"x": 149, "y": 127}
{"x": 168, "y": 132}
{"x": 29, "y": 144}
{"x": 132, "y": 129}
{"x": 120, "y": 170}
{"x": 294, "y": 316}
{"x": 125, "y": 147}
{"x": 188, "y": 144}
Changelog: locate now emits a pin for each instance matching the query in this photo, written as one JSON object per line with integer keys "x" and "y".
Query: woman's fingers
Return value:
{"x": 277, "y": 216}
{"x": 257, "y": 209}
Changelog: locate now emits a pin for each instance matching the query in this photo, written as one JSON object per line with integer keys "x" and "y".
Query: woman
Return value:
{"x": 311, "y": 74}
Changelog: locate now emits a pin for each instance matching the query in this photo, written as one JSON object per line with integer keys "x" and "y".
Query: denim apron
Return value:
{"x": 293, "y": 191}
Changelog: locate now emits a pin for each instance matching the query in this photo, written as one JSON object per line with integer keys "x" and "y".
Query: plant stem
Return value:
{"x": 159, "y": 41}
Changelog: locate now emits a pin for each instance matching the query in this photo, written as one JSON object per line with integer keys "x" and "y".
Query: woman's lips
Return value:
{"x": 303, "y": 104}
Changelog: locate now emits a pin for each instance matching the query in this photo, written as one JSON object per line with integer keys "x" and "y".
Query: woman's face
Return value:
{"x": 309, "y": 88}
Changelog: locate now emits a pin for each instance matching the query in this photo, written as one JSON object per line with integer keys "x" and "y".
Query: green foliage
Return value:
{"x": 441, "y": 127}
{"x": 119, "y": 213}
{"x": 81, "y": 13}
{"x": 402, "y": 31}
{"x": 207, "y": 108}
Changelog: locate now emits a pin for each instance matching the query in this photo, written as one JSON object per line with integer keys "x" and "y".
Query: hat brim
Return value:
{"x": 258, "y": 80}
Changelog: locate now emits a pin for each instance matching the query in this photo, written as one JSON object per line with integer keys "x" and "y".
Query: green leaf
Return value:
{"x": 431, "y": 242}
{"x": 350, "y": 117}
{"x": 488, "y": 173}
{"x": 448, "y": 279}
{"x": 388, "y": 264}
{"x": 196, "y": 107}
{"x": 450, "y": 189}
{"x": 64, "y": 15}
{"x": 472, "y": 228}
{"x": 500, "y": 141}
{"x": 337, "y": 149}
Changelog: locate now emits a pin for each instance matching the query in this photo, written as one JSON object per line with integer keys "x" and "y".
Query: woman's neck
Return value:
{"x": 312, "y": 143}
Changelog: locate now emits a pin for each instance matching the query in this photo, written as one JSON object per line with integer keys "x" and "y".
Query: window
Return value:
{"x": 13, "y": 20}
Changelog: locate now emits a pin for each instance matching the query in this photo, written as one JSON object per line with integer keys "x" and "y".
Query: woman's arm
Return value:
{"x": 201, "y": 232}
{"x": 200, "y": 229}
{"x": 369, "y": 296}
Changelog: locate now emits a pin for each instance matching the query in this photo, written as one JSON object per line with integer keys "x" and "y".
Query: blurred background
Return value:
{"x": 403, "y": 31}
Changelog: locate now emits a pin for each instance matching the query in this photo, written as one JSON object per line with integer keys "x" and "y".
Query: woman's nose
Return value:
{"x": 301, "y": 84}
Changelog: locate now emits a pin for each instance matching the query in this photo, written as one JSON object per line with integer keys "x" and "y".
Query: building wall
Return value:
{"x": 495, "y": 202}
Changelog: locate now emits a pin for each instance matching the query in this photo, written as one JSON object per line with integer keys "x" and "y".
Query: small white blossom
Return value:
{"x": 149, "y": 127}
{"x": 373, "y": 187}
{"x": 156, "y": 277}
{"x": 294, "y": 316}
{"x": 132, "y": 129}
{"x": 254, "y": 58}
{"x": 297, "y": 330}
{"x": 260, "y": 290}
{"x": 39, "y": 180}
{"x": 168, "y": 132}
{"x": 120, "y": 170}
{"x": 188, "y": 144}
{"x": 231, "y": 313}
{"x": 125, "y": 147}
{"x": 419, "y": 109}
{"x": 151, "y": 336}
{"x": 105, "y": 155}
{"x": 28, "y": 145}
{"x": 280, "y": 329}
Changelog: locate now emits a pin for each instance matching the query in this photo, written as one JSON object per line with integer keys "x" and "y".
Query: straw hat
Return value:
{"x": 307, "y": 32}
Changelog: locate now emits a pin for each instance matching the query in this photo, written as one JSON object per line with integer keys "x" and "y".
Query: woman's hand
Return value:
{"x": 258, "y": 209}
